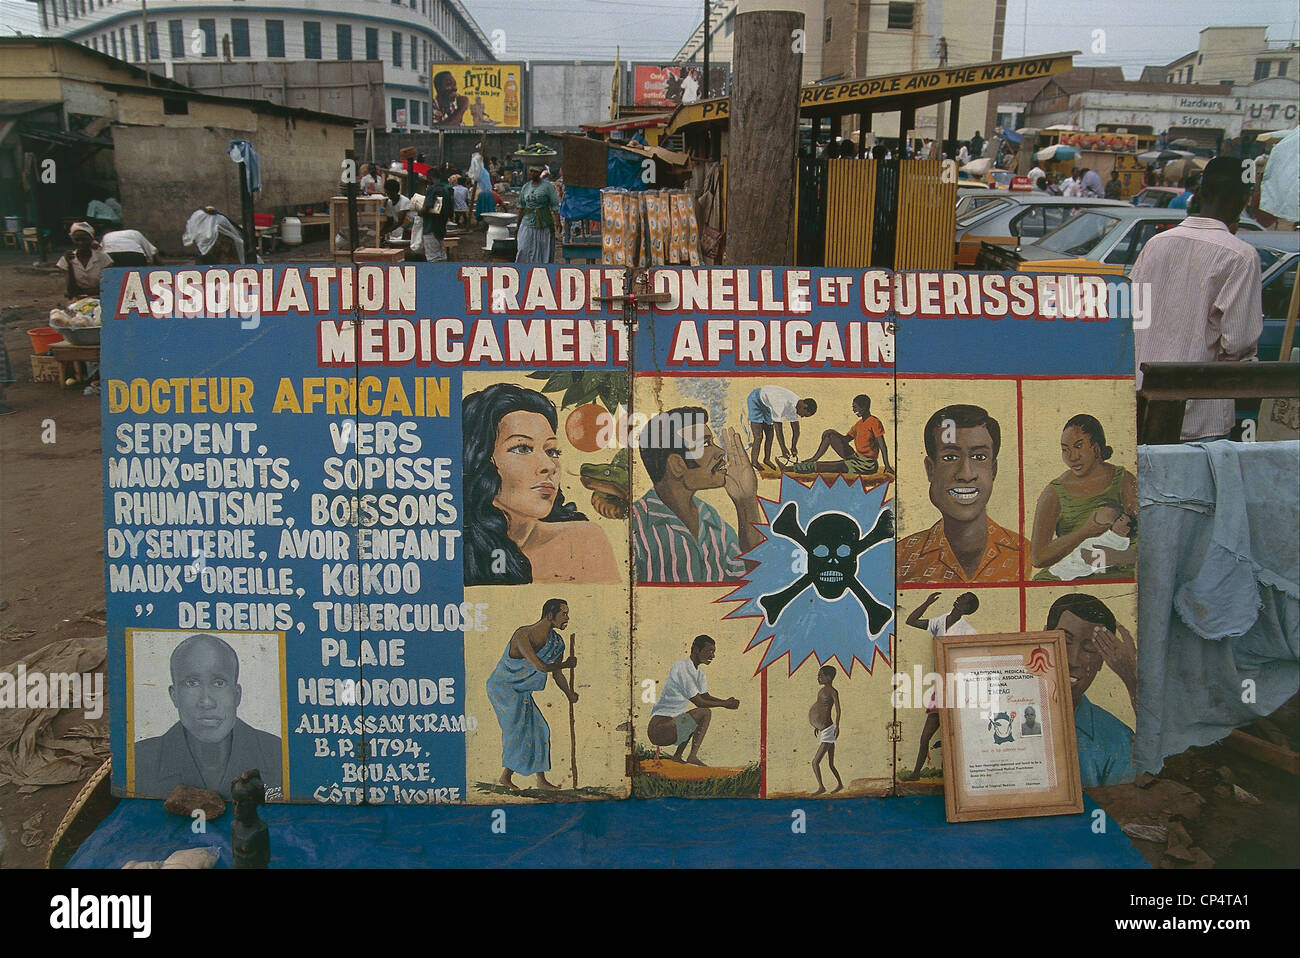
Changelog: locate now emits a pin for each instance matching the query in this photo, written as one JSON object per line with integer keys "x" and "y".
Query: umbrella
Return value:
{"x": 1175, "y": 171}
{"x": 1279, "y": 188}
{"x": 1056, "y": 152}
{"x": 1011, "y": 136}
{"x": 1162, "y": 156}
{"x": 1274, "y": 136}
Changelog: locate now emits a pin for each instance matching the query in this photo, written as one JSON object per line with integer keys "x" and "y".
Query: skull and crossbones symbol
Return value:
{"x": 833, "y": 544}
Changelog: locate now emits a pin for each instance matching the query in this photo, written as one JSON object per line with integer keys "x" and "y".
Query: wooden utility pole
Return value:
{"x": 704, "y": 91}
{"x": 144, "y": 27}
{"x": 768, "y": 65}
{"x": 350, "y": 191}
{"x": 939, "y": 115}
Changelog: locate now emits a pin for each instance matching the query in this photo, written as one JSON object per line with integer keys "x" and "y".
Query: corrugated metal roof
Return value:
{"x": 10, "y": 108}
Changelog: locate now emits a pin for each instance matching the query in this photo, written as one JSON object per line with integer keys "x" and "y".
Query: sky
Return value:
{"x": 1134, "y": 32}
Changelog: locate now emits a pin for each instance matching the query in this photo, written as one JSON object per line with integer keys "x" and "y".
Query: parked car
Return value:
{"x": 971, "y": 197}
{"x": 1278, "y": 255}
{"x": 1157, "y": 196}
{"x": 1017, "y": 217}
{"x": 999, "y": 179}
{"x": 1094, "y": 240}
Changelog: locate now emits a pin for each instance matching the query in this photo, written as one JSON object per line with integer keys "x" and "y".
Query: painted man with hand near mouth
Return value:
{"x": 961, "y": 461}
{"x": 677, "y": 537}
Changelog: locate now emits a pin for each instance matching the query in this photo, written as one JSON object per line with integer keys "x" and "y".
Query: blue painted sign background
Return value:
{"x": 354, "y": 634}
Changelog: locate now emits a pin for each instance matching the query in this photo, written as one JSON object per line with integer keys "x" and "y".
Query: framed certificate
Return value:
{"x": 1007, "y": 719}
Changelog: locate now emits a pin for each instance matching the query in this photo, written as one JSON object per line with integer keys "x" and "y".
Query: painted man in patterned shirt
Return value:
{"x": 961, "y": 461}
{"x": 676, "y": 536}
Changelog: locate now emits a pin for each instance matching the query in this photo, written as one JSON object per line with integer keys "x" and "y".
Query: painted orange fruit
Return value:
{"x": 588, "y": 426}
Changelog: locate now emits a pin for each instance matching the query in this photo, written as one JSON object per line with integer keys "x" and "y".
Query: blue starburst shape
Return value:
{"x": 810, "y": 625}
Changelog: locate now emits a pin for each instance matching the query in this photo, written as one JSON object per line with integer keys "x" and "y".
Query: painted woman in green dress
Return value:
{"x": 1081, "y": 504}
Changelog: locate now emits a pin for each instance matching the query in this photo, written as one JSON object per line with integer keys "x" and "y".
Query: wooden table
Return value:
{"x": 266, "y": 237}
{"x": 584, "y": 252}
{"x": 370, "y": 216}
{"x": 70, "y": 357}
{"x": 313, "y": 219}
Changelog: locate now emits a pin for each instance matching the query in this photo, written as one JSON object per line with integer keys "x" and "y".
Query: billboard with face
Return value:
{"x": 478, "y": 95}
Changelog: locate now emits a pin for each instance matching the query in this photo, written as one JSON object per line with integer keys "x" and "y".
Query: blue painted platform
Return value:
{"x": 905, "y": 832}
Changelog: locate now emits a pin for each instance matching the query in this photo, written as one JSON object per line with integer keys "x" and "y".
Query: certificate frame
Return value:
{"x": 1017, "y": 775}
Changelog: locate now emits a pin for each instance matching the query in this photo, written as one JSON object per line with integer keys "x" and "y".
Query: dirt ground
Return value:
{"x": 52, "y": 587}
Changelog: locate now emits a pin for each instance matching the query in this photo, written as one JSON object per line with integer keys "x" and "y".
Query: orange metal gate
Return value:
{"x": 851, "y": 201}
{"x": 922, "y": 223}
{"x": 927, "y": 216}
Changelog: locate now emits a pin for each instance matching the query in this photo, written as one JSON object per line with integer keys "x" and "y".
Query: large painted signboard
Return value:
{"x": 443, "y": 534}
{"x": 670, "y": 86}
{"x": 478, "y": 95}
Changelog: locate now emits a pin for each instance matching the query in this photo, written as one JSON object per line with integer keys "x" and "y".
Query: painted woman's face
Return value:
{"x": 527, "y": 458}
{"x": 1078, "y": 451}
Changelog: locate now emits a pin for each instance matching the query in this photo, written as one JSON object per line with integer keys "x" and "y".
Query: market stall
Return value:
{"x": 860, "y": 212}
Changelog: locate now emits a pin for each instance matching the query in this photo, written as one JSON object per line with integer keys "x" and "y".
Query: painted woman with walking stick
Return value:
{"x": 533, "y": 652}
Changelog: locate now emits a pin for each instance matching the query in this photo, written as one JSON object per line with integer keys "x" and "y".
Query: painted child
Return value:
{"x": 826, "y": 729}
{"x": 1079, "y": 563}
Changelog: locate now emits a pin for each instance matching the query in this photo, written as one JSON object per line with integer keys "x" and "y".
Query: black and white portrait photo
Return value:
{"x": 205, "y": 731}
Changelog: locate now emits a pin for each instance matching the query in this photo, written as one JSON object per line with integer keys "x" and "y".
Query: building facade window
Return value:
{"x": 209, "y": 30}
{"x": 901, "y": 16}
{"x": 399, "y": 104}
{"x": 135, "y": 43}
{"x": 1281, "y": 67}
{"x": 239, "y": 44}
{"x": 275, "y": 38}
{"x": 1189, "y": 74}
{"x": 343, "y": 41}
{"x": 113, "y": 36}
{"x": 415, "y": 53}
{"x": 826, "y": 31}
{"x": 1261, "y": 69}
{"x": 372, "y": 43}
{"x": 397, "y": 49}
{"x": 176, "y": 37}
{"x": 151, "y": 42}
{"x": 311, "y": 39}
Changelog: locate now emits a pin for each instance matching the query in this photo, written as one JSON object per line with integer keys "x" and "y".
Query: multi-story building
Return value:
{"x": 1225, "y": 56}
{"x": 407, "y": 36}
{"x": 855, "y": 38}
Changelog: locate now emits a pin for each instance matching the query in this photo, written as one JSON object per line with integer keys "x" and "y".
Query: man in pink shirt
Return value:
{"x": 1203, "y": 294}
